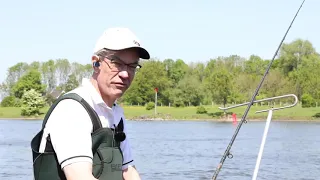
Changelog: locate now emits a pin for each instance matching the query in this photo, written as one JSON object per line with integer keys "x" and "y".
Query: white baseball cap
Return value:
{"x": 119, "y": 39}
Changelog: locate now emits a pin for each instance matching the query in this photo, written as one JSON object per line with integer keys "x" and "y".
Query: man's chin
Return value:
{"x": 119, "y": 92}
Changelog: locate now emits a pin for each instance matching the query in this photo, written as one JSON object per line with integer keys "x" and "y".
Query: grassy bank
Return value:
{"x": 187, "y": 113}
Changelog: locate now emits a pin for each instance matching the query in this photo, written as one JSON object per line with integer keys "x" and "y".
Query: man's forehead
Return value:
{"x": 126, "y": 57}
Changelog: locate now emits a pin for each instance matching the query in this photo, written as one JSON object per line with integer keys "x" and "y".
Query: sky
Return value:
{"x": 194, "y": 31}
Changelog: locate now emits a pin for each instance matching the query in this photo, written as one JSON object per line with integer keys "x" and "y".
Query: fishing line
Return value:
{"x": 243, "y": 119}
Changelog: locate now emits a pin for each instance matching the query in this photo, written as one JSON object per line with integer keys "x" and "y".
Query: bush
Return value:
{"x": 217, "y": 114}
{"x": 10, "y": 101}
{"x": 229, "y": 113}
{"x": 32, "y": 102}
{"x": 220, "y": 114}
{"x": 178, "y": 103}
{"x": 317, "y": 115}
{"x": 201, "y": 110}
{"x": 307, "y": 101}
{"x": 150, "y": 105}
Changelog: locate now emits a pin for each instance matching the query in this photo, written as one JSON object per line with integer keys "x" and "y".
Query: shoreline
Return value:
{"x": 161, "y": 119}
{"x": 229, "y": 121}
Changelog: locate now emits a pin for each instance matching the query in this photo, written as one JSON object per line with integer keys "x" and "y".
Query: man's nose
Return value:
{"x": 124, "y": 74}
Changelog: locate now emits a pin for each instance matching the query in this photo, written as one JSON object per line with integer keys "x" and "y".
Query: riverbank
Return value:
{"x": 164, "y": 113}
{"x": 158, "y": 119}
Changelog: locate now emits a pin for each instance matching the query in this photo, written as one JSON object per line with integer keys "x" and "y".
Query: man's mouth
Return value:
{"x": 120, "y": 84}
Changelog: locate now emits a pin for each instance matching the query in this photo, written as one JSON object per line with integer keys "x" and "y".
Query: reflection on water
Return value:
{"x": 190, "y": 150}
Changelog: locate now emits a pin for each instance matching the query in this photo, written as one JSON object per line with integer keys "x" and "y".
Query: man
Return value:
{"x": 115, "y": 60}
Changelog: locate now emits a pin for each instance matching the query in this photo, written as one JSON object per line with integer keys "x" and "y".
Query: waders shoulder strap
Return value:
{"x": 93, "y": 115}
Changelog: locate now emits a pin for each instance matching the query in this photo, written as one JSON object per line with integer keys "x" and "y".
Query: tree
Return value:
{"x": 10, "y": 101}
{"x": 4, "y": 90}
{"x": 62, "y": 69}
{"x": 306, "y": 78}
{"x": 32, "y": 80}
{"x": 72, "y": 83}
{"x": 13, "y": 75}
{"x": 292, "y": 54}
{"x": 255, "y": 65}
{"x": 220, "y": 85}
{"x": 197, "y": 70}
{"x": 151, "y": 75}
{"x": 188, "y": 90}
{"x": 178, "y": 70}
{"x": 276, "y": 84}
{"x": 48, "y": 74}
{"x": 35, "y": 65}
{"x": 225, "y": 79}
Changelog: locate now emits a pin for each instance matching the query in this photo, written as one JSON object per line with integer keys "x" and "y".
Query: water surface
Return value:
{"x": 190, "y": 150}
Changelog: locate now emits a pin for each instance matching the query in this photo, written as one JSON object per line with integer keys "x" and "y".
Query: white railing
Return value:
{"x": 266, "y": 129}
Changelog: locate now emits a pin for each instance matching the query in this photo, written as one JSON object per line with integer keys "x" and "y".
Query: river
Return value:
{"x": 180, "y": 150}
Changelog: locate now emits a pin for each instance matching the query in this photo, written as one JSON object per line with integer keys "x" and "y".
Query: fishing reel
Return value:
{"x": 119, "y": 135}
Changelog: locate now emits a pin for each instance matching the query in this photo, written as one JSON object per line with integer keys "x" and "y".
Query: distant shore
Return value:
{"x": 160, "y": 119}
{"x": 165, "y": 113}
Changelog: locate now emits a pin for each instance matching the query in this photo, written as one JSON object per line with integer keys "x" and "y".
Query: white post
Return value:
{"x": 264, "y": 137}
{"x": 155, "y": 104}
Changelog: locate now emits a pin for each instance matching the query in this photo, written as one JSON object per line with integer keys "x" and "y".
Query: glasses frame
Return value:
{"x": 115, "y": 60}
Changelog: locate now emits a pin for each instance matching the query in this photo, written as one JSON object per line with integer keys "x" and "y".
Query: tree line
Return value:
{"x": 222, "y": 80}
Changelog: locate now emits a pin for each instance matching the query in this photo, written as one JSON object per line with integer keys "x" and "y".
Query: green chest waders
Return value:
{"x": 107, "y": 155}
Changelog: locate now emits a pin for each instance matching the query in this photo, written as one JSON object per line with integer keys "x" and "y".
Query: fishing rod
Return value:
{"x": 243, "y": 119}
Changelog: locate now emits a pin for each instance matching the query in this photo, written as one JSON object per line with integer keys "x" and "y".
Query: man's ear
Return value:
{"x": 95, "y": 58}
{"x": 95, "y": 61}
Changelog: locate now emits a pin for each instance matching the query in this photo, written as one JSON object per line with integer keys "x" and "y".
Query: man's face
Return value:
{"x": 117, "y": 72}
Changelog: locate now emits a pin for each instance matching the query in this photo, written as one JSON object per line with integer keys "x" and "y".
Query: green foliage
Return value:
{"x": 220, "y": 114}
{"x": 201, "y": 110}
{"x": 291, "y": 55}
{"x": 307, "y": 101}
{"x": 72, "y": 83}
{"x": 31, "y": 80}
{"x": 150, "y": 105}
{"x": 177, "y": 70}
{"x": 48, "y": 73}
{"x": 317, "y": 115}
{"x": 221, "y": 80}
{"x": 49, "y": 99}
{"x": 32, "y": 102}
{"x": 62, "y": 69}
{"x": 178, "y": 102}
{"x": 151, "y": 75}
{"x": 216, "y": 114}
{"x": 219, "y": 83}
{"x": 10, "y": 101}
{"x": 15, "y": 72}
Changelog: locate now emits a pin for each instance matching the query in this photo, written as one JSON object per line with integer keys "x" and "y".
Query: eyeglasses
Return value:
{"x": 117, "y": 64}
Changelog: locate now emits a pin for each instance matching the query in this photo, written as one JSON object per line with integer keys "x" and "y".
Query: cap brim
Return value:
{"x": 143, "y": 53}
